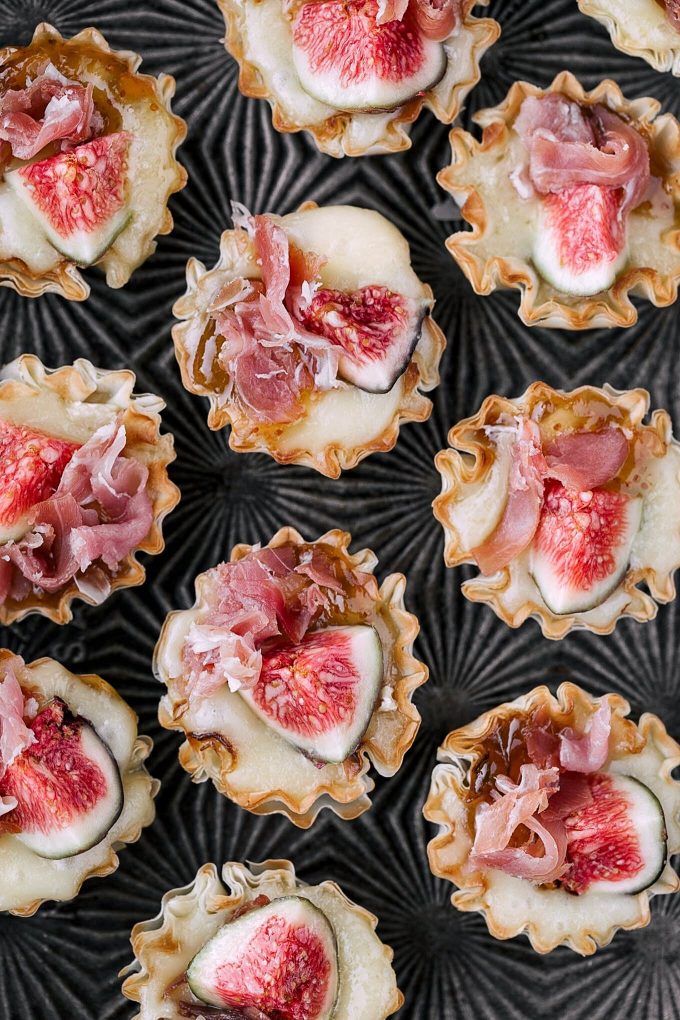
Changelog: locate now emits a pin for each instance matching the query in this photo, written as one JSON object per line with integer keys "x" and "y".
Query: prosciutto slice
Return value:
{"x": 586, "y": 460}
{"x": 15, "y": 735}
{"x": 518, "y": 805}
{"x": 49, "y": 109}
{"x": 269, "y": 356}
{"x": 588, "y": 752}
{"x": 581, "y": 460}
{"x": 436, "y": 19}
{"x": 270, "y": 593}
{"x": 100, "y": 512}
{"x": 520, "y": 518}
{"x": 569, "y": 145}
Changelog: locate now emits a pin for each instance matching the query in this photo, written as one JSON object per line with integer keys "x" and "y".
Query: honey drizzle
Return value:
{"x": 75, "y": 60}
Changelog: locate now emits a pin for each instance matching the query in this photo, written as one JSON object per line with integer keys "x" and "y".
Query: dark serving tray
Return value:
{"x": 63, "y": 963}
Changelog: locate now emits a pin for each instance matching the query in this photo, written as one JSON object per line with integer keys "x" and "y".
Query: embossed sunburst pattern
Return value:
{"x": 62, "y": 964}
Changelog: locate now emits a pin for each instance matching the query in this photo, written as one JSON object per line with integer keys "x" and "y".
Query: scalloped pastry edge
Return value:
{"x": 65, "y": 278}
{"x": 667, "y": 59}
{"x": 156, "y": 939}
{"x": 613, "y": 307}
{"x": 456, "y": 471}
{"x": 141, "y": 750}
{"x": 346, "y": 791}
{"x": 448, "y": 851}
{"x": 422, "y": 373}
{"x": 329, "y": 135}
{"x": 142, "y": 420}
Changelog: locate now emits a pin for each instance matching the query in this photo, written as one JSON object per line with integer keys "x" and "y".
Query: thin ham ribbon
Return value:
{"x": 580, "y": 460}
{"x": 570, "y": 145}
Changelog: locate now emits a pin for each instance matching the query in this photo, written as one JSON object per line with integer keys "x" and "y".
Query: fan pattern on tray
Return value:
{"x": 63, "y": 963}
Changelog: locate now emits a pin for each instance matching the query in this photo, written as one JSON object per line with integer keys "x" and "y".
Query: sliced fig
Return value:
{"x": 345, "y": 59}
{"x": 79, "y": 197}
{"x": 377, "y": 330}
{"x": 580, "y": 242}
{"x": 31, "y": 466}
{"x": 280, "y": 959}
{"x": 320, "y": 694}
{"x": 581, "y": 548}
{"x": 617, "y": 842}
{"x": 67, "y": 786}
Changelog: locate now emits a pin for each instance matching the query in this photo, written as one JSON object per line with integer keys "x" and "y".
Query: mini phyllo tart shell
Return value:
{"x": 513, "y": 234}
{"x": 72, "y": 726}
{"x": 254, "y": 742}
{"x": 121, "y": 155}
{"x": 85, "y": 485}
{"x": 582, "y": 908}
{"x": 166, "y": 948}
{"x": 312, "y": 336}
{"x": 567, "y": 502}
{"x": 641, "y": 28}
{"x": 261, "y": 35}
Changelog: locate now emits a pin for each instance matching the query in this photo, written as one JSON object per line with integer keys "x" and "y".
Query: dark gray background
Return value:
{"x": 63, "y": 962}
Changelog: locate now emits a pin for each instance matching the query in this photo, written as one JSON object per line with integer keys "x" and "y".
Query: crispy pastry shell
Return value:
{"x": 165, "y": 945}
{"x": 344, "y": 787}
{"x": 645, "y": 750}
{"x": 336, "y": 135}
{"x": 82, "y": 694}
{"x": 422, "y": 373}
{"x": 465, "y": 464}
{"x": 135, "y": 242}
{"x": 82, "y": 382}
{"x": 661, "y": 57}
{"x": 488, "y": 269}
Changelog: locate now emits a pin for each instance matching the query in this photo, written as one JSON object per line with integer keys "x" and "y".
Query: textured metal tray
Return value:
{"x": 63, "y": 962}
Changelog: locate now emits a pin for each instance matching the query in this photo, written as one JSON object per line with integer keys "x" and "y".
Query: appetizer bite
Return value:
{"x": 356, "y": 73}
{"x": 558, "y": 817}
{"x": 290, "y": 672}
{"x": 566, "y": 502}
{"x": 574, "y": 199}
{"x": 267, "y": 945}
{"x": 312, "y": 336}
{"x": 643, "y": 28}
{"x": 87, "y": 156}
{"x": 73, "y": 786}
{"x": 83, "y": 485}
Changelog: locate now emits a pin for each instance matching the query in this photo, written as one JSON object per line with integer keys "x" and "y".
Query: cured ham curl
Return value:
{"x": 570, "y": 145}
{"x": 15, "y": 736}
{"x": 436, "y": 19}
{"x": 50, "y": 109}
{"x": 269, "y": 356}
{"x": 531, "y": 814}
{"x": 522, "y": 510}
{"x": 518, "y": 805}
{"x": 100, "y": 512}
{"x": 270, "y": 593}
{"x": 580, "y": 460}
{"x": 586, "y": 460}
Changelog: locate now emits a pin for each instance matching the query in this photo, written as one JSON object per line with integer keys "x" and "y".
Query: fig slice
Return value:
{"x": 581, "y": 548}
{"x": 31, "y": 466}
{"x": 377, "y": 330}
{"x": 580, "y": 242}
{"x": 319, "y": 695}
{"x": 67, "y": 786}
{"x": 617, "y": 842}
{"x": 345, "y": 59}
{"x": 280, "y": 959}
{"x": 79, "y": 197}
